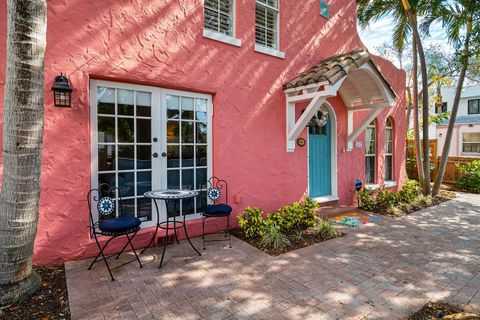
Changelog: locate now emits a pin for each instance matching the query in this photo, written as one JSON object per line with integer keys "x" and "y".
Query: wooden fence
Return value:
{"x": 451, "y": 171}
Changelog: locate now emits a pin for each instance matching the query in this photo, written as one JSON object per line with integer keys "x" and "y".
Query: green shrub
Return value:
{"x": 298, "y": 215}
{"x": 367, "y": 200}
{"x": 251, "y": 222}
{"x": 383, "y": 199}
{"x": 274, "y": 239}
{"x": 469, "y": 176}
{"x": 386, "y": 199}
{"x": 324, "y": 229}
{"x": 410, "y": 190}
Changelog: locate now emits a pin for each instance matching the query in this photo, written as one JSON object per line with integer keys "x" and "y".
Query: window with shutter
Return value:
{"x": 219, "y": 16}
{"x": 266, "y": 23}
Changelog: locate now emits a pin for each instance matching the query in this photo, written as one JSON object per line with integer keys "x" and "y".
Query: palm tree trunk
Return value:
{"x": 22, "y": 147}
{"x": 409, "y": 109}
{"x": 425, "y": 114}
{"x": 453, "y": 116}
{"x": 416, "y": 125}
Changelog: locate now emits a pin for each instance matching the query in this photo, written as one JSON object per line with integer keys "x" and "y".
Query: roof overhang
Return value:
{"x": 354, "y": 76}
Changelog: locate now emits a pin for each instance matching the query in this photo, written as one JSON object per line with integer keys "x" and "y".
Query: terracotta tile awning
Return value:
{"x": 335, "y": 68}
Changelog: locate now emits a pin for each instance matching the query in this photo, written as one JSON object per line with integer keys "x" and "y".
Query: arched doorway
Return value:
{"x": 322, "y": 154}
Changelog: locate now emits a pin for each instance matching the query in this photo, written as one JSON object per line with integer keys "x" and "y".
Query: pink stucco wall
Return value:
{"x": 160, "y": 43}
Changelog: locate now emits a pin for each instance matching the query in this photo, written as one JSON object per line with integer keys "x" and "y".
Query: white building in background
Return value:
{"x": 466, "y": 133}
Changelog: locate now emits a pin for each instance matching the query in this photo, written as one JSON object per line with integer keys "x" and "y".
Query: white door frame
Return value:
{"x": 333, "y": 156}
{"x": 158, "y": 129}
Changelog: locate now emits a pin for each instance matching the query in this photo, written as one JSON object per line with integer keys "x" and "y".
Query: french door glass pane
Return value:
{"x": 187, "y": 179}
{"x": 187, "y": 108}
{"x": 144, "y": 182}
{"x": 106, "y": 100}
{"x": 144, "y": 131}
{"x": 108, "y": 178}
{"x": 106, "y": 157}
{"x": 173, "y": 106}
{"x": 201, "y": 156}
{"x": 144, "y": 209}
{"x": 201, "y": 109}
{"x": 126, "y": 184}
{"x": 144, "y": 108}
{"x": 126, "y": 130}
{"x": 126, "y": 157}
{"x": 144, "y": 157}
{"x": 187, "y": 156}
{"x": 201, "y": 132}
{"x": 173, "y": 132}
{"x": 187, "y": 143}
{"x": 106, "y": 129}
{"x": 127, "y": 207}
{"x": 187, "y": 132}
{"x": 173, "y": 179}
{"x": 201, "y": 178}
{"x": 173, "y": 156}
{"x": 125, "y": 102}
{"x": 123, "y": 121}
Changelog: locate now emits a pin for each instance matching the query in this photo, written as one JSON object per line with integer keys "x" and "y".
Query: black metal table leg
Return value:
{"x": 188, "y": 238}
{"x": 165, "y": 243}
{"x": 156, "y": 228}
{"x": 174, "y": 218}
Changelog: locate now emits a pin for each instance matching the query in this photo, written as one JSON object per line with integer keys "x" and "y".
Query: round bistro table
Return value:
{"x": 171, "y": 197}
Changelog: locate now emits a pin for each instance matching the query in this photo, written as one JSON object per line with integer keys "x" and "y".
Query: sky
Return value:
{"x": 381, "y": 32}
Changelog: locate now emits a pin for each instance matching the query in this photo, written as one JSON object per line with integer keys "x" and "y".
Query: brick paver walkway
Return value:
{"x": 382, "y": 271}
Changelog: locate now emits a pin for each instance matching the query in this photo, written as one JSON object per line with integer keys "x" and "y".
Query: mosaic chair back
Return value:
{"x": 111, "y": 223}
{"x": 217, "y": 195}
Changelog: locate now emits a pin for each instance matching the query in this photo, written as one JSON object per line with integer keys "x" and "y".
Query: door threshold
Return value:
{"x": 323, "y": 199}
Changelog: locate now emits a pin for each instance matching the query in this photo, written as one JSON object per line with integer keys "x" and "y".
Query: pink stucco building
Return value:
{"x": 167, "y": 93}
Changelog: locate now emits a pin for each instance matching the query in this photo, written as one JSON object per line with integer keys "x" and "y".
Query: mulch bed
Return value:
{"x": 402, "y": 209}
{"x": 307, "y": 239}
{"x": 439, "y": 310}
{"x": 50, "y": 302}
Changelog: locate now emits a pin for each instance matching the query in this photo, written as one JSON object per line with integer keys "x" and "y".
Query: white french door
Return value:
{"x": 145, "y": 138}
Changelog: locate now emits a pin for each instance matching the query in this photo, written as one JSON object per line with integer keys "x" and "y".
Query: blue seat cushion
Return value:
{"x": 218, "y": 209}
{"x": 120, "y": 224}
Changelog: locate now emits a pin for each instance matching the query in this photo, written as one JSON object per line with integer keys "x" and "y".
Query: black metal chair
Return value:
{"x": 109, "y": 225}
{"x": 217, "y": 190}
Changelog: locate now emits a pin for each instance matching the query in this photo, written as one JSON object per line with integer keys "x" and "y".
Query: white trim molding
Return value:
{"x": 389, "y": 184}
{"x": 324, "y": 199}
{"x": 221, "y": 37}
{"x": 317, "y": 93}
{"x": 372, "y": 186}
{"x": 269, "y": 51}
{"x": 158, "y": 122}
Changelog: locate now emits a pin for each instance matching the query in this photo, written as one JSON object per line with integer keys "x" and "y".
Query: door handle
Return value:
{"x": 155, "y": 155}
{"x": 155, "y": 139}
{"x": 164, "y": 154}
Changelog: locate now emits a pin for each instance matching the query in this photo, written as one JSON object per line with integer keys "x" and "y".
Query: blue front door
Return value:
{"x": 319, "y": 151}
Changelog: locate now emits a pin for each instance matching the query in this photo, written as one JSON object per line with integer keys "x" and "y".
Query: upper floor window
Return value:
{"x": 474, "y": 106}
{"x": 266, "y": 23}
{"x": 219, "y": 16}
{"x": 370, "y": 153}
{"x": 471, "y": 142}
{"x": 389, "y": 150}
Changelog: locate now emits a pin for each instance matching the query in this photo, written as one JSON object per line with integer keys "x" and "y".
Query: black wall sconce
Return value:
{"x": 62, "y": 92}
